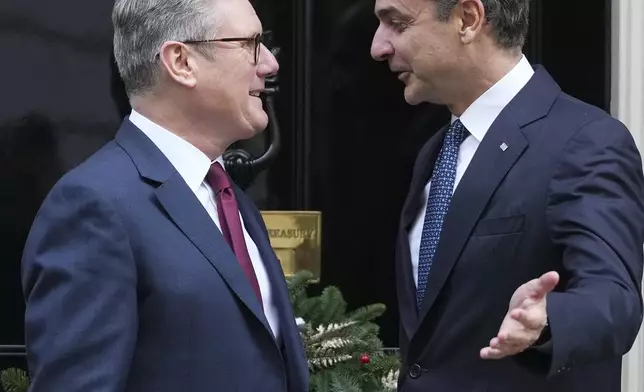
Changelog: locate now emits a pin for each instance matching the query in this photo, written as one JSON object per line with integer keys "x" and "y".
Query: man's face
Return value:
{"x": 422, "y": 50}
{"x": 229, "y": 85}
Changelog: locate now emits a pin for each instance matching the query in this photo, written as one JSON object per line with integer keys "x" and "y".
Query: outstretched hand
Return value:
{"x": 525, "y": 319}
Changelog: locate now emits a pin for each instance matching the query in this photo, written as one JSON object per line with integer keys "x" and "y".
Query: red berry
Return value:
{"x": 364, "y": 358}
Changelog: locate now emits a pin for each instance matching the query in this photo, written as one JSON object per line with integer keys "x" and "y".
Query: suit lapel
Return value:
{"x": 422, "y": 172}
{"x": 187, "y": 213}
{"x": 271, "y": 263}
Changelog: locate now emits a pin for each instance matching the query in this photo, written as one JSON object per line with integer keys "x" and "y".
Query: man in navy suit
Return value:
{"x": 519, "y": 259}
{"x": 146, "y": 269}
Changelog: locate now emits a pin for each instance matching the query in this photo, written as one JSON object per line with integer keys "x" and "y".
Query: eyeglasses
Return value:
{"x": 256, "y": 40}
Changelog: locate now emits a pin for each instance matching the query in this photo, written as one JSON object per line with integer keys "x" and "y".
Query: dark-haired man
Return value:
{"x": 519, "y": 260}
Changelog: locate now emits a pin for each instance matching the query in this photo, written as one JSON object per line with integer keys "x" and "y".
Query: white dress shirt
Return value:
{"x": 193, "y": 165}
{"x": 477, "y": 119}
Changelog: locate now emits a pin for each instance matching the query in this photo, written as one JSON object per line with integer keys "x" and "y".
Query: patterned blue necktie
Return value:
{"x": 440, "y": 195}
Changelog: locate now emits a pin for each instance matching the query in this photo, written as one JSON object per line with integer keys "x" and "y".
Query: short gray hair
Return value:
{"x": 509, "y": 19}
{"x": 142, "y": 26}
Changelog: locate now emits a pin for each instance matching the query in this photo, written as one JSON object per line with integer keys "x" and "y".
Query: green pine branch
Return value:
{"x": 335, "y": 341}
{"x": 327, "y": 308}
{"x": 14, "y": 380}
{"x": 334, "y": 382}
{"x": 332, "y": 306}
{"x": 298, "y": 283}
{"x": 367, "y": 313}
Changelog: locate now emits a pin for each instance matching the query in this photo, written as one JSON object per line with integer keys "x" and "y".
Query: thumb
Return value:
{"x": 545, "y": 284}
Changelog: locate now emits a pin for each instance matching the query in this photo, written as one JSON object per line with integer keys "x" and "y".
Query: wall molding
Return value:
{"x": 627, "y": 104}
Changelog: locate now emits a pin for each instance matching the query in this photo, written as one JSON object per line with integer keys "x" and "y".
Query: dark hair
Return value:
{"x": 508, "y": 18}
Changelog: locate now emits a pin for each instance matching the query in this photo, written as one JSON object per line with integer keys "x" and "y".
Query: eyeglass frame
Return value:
{"x": 256, "y": 39}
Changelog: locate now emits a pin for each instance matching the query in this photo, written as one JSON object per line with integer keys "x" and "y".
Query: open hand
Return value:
{"x": 525, "y": 319}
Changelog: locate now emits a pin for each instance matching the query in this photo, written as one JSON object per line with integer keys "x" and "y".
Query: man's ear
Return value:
{"x": 472, "y": 16}
{"x": 179, "y": 63}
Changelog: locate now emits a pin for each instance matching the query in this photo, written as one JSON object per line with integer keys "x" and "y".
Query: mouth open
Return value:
{"x": 255, "y": 94}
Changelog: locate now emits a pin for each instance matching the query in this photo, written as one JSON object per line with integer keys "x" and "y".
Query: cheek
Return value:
{"x": 433, "y": 61}
{"x": 414, "y": 52}
{"x": 403, "y": 51}
{"x": 231, "y": 92}
{"x": 241, "y": 80}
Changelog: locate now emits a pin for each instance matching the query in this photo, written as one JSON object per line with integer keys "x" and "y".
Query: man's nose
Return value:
{"x": 381, "y": 48}
{"x": 268, "y": 64}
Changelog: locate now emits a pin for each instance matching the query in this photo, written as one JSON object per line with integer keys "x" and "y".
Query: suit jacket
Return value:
{"x": 566, "y": 195}
{"x": 130, "y": 286}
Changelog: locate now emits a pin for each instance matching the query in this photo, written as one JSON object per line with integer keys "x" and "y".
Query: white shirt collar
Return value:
{"x": 480, "y": 115}
{"x": 191, "y": 163}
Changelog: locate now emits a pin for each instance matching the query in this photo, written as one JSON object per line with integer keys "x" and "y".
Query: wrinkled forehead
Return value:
{"x": 388, "y": 9}
{"x": 238, "y": 17}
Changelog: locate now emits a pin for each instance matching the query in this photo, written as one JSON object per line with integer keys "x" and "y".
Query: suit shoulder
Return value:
{"x": 104, "y": 172}
{"x": 581, "y": 112}
{"x": 576, "y": 120}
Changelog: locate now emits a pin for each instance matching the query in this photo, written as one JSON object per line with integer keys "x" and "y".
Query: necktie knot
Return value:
{"x": 456, "y": 133}
{"x": 218, "y": 178}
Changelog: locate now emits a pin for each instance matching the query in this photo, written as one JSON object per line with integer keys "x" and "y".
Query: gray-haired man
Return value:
{"x": 146, "y": 268}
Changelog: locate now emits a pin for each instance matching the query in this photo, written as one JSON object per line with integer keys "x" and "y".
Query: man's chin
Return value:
{"x": 412, "y": 98}
{"x": 259, "y": 122}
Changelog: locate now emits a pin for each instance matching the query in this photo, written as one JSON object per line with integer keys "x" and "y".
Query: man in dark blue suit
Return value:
{"x": 519, "y": 259}
{"x": 146, "y": 269}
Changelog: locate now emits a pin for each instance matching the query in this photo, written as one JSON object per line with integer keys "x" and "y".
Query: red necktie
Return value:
{"x": 231, "y": 226}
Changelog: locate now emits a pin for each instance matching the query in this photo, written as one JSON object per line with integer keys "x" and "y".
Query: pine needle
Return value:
{"x": 14, "y": 380}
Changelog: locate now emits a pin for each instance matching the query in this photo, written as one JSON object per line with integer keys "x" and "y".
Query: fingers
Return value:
{"x": 545, "y": 284}
{"x": 500, "y": 348}
{"x": 492, "y": 353}
{"x": 506, "y": 342}
{"x": 525, "y": 320}
{"x": 524, "y": 325}
{"x": 515, "y": 339}
{"x": 530, "y": 319}
{"x": 519, "y": 330}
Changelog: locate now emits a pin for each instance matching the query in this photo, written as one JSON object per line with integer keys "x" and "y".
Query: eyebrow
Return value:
{"x": 388, "y": 12}
{"x": 253, "y": 29}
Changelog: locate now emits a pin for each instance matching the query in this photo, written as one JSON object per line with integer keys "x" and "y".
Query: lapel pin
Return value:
{"x": 503, "y": 146}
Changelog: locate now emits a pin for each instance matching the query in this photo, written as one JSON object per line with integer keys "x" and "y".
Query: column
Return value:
{"x": 627, "y": 104}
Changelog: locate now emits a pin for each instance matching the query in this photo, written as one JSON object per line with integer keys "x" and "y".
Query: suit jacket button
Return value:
{"x": 415, "y": 371}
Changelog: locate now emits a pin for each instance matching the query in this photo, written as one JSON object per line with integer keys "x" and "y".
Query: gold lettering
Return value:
{"x": 306, "y": 234}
